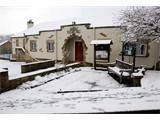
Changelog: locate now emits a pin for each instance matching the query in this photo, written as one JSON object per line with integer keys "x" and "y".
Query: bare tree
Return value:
{"x": 141, "y": 23}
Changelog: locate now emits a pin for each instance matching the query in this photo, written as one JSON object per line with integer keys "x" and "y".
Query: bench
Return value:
{"x": 121, "y": 69}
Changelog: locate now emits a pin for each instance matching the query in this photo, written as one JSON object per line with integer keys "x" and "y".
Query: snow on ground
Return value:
{"x": 74, "y": 80}
{"x": 113, "y": 97}
{"x": 151, "y": 80}
{"x": 14, "y": 68}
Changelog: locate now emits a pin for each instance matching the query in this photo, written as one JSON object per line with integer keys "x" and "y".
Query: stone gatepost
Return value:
{"x": 3, "y": 79}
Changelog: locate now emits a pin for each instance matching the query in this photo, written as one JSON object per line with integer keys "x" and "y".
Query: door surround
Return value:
{"x": 65, "y": 50}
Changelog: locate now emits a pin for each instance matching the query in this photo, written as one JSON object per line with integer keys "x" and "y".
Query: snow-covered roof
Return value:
{"x": 3, "y": 42}
{"x": 52, "y": 25}
{"x": 47, "y": 26}
{"x": 98, "y": 42}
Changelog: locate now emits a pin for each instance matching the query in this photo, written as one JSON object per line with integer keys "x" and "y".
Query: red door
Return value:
{"x": 78, "y": 51}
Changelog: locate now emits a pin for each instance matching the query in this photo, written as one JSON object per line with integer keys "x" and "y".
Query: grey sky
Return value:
{"x": 13, "y": 19}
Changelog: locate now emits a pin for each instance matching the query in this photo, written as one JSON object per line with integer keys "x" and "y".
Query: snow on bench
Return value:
{"x": 124, "y": 71}
{"x": 121, "y": 69}
{"x": 140, "y": 73}
{"x": 118, "y": 71}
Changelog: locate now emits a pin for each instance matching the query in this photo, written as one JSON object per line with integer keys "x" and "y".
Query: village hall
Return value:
{"x": 70, "y": 42}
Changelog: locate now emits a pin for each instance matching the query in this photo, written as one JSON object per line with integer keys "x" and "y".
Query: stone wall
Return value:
{"x": 29, "y": 67}
{"x": 9, "y": 84}
{"x": 3, "y": 79}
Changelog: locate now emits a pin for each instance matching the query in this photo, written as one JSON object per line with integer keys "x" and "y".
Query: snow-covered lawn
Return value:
{"x": 14, "y": 68}
{"x": 37, "y": 97}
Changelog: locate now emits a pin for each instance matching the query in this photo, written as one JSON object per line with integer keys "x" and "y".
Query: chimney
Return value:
{"x": 30, "y": 23}
{"x": 73, "y": 23}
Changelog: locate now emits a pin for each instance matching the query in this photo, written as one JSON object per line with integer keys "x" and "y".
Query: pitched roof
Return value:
{"x": 1, "y": 43}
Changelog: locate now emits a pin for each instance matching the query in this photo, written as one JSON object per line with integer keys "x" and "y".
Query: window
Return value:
{"x": 17, "y": 43}
{"x": 50, "y": 46}
{"x": 33, "y": 46}
{"x": 141, "y": 49}
{"x": 128, "y": 49}
{"x": 24, "y": 43}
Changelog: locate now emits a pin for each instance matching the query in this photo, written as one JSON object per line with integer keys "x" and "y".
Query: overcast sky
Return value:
{"x": 14, "y": 19}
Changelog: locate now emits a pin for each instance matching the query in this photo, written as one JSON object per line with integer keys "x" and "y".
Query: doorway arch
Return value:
{"x": 72, "y": 46}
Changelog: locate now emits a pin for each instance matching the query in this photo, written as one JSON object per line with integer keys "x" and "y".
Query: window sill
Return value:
{"x": 33, "y": 50}
{"x": 138, "y": 55}
{"x": 50, "y": 51}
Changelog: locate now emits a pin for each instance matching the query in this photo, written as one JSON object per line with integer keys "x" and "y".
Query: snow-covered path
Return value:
{"x": 75, "y": 79}
{"x": 113, "y": 97}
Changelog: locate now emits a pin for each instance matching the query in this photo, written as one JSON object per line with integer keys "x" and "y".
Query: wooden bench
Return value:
{"x": 121, "y": 69}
